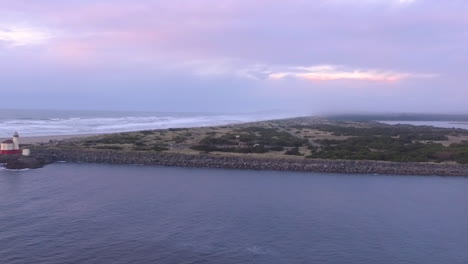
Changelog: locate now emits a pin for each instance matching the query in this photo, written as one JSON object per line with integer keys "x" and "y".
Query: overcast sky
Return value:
{"x": 235, "y": 55}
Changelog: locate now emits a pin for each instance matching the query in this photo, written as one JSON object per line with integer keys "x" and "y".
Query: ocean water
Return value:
{"x": 48, "y": 122}
{"x": 72, "y": 213}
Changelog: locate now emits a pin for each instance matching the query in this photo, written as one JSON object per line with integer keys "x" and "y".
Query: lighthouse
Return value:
{"x": 11, "y": 146}
{"x": 16, "y": 141}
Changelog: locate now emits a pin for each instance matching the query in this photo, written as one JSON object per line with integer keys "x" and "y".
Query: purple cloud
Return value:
{"x": 411, "y": 48}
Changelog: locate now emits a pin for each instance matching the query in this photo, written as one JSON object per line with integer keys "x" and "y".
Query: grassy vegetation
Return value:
{"x": 401, "y": 143}
{"x": 120, "y": 138}
{"x": 389, "y": 149}
{"x": 405, "y": 132}
{"x": 249, "y": 149}
{"x": 110, "y": 147}
{"x": 270, "y": 137}
{"x": 299, "y": 137}
{"x": 250, "y": 140}
{"x": 294, "y": 151}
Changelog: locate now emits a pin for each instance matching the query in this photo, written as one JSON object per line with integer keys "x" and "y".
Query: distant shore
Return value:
{"x": 308, "y": 144}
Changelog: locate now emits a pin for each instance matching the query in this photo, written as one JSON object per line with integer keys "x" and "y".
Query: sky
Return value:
{"x": 312, "y": 56}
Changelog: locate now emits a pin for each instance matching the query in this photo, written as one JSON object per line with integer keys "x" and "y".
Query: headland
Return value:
{"x": 296, "y": 144}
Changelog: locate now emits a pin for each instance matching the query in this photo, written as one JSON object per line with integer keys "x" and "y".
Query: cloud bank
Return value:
{"x": 236, "y": 53}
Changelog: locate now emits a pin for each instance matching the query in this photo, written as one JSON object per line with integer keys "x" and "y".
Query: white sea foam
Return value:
{"x": 45, "y": 126}
{"x": 256, "y": 250}
{"x": 20, "y": 170}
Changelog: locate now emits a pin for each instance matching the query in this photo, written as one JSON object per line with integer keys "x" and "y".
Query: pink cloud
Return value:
{"x": 267, "y": 31}
{"x": 333, "y": 73}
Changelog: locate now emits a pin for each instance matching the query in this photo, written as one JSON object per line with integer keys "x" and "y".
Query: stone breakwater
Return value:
{"x": 18, "y": 162}
{"x": 253, "y": 163}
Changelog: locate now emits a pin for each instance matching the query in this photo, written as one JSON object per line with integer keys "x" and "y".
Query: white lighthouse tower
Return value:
{"x": 11, "y": 146}
{"x": 16, "y": 141}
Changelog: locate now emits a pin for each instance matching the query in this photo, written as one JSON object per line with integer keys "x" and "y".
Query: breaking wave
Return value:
{"x": 96, "y": 125}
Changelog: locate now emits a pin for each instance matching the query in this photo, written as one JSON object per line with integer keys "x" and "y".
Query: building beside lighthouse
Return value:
{"x": 11, "y": 146}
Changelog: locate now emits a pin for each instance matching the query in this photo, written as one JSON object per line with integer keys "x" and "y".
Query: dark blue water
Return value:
{"x": 69, "y": 213}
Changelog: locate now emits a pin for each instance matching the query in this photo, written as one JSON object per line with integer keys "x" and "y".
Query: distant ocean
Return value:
{"x": 48, "y": 122}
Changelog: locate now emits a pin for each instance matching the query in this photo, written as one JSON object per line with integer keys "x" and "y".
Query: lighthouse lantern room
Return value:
{"x": 10, "y": 146}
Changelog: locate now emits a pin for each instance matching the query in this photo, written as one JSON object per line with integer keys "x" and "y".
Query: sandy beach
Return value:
{"x": 47, "y": 139}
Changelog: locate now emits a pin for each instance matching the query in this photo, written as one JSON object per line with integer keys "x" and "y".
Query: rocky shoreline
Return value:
{"x": 19, "y": 162}
{"x": 253, "y": 163}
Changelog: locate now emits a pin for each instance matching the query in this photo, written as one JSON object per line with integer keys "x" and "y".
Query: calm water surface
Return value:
{"x": 67, "y": 213}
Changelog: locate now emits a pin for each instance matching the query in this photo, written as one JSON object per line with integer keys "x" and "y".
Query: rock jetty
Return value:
{"x": 18, "y": 162}
{"x": 248, "y": 162}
